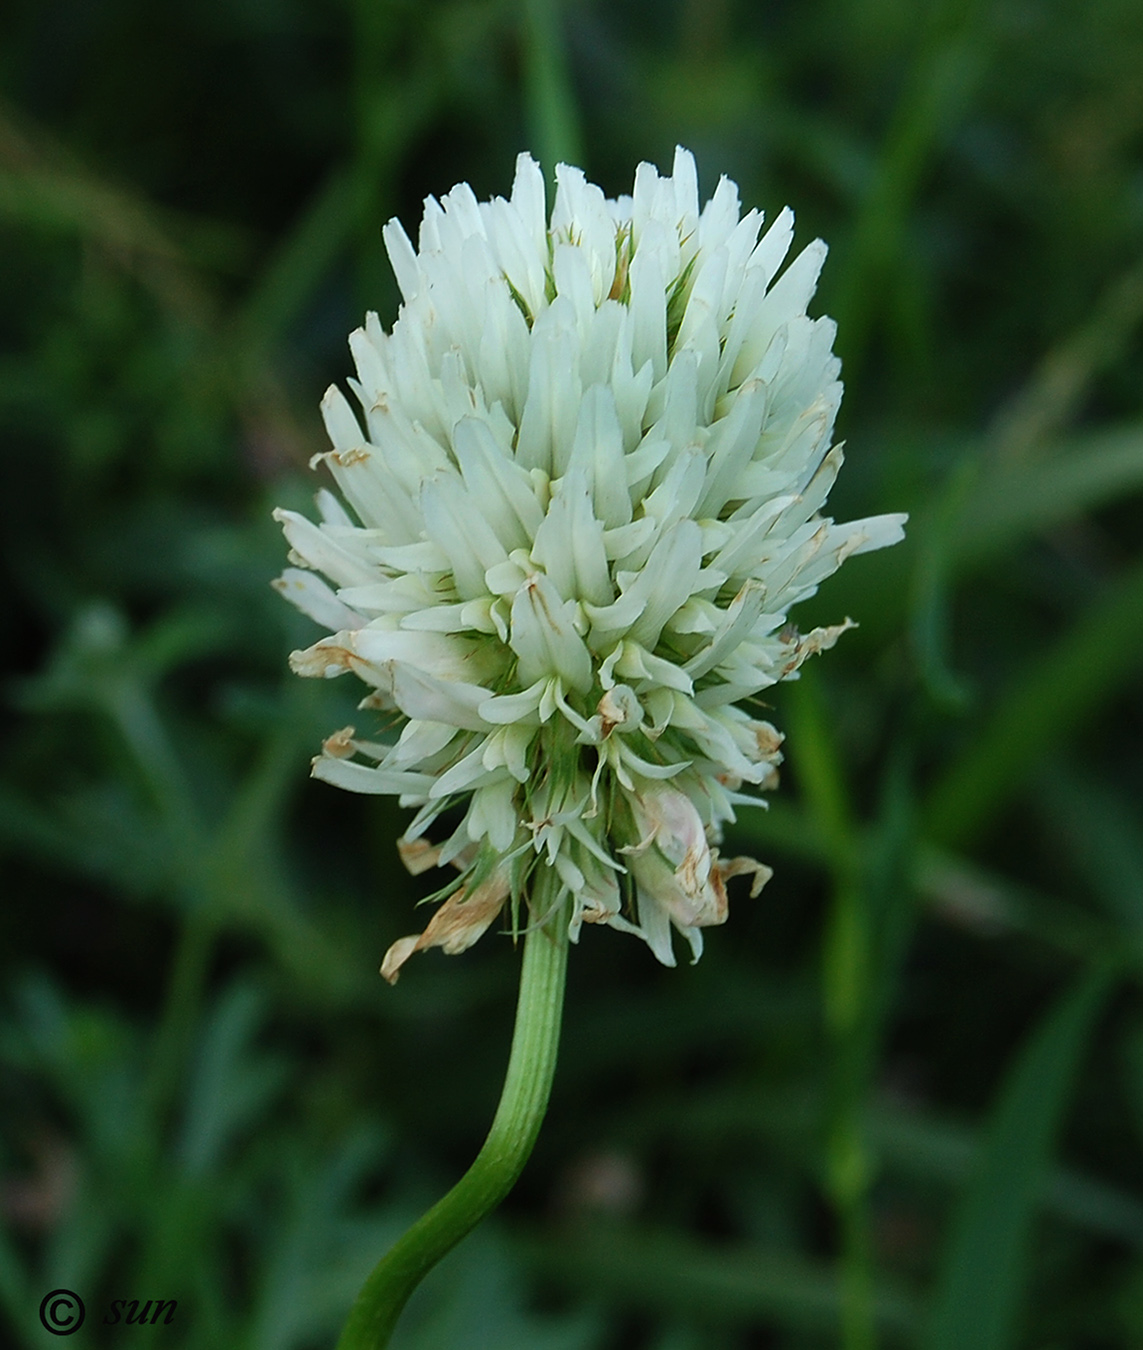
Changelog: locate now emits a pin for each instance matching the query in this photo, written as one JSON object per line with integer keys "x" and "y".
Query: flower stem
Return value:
{"x": 527, "y": 1085}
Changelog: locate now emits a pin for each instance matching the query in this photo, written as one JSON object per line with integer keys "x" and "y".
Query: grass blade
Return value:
{"x": 552, "y": 115}
{"x": 983, "y": 1274}
{"x": 1085, "y": 667}
{"x": 665, "y": 1273}
{"x": 1010, "y": 503}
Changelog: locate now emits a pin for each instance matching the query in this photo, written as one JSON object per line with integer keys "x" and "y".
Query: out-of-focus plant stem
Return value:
{"x": 848, "y": 1008}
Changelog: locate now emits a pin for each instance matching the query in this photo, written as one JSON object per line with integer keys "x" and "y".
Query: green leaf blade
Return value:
{"x": 983, "y": 1275}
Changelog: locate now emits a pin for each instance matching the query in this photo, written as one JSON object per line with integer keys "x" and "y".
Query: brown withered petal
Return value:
{"x": 460, "y": 921}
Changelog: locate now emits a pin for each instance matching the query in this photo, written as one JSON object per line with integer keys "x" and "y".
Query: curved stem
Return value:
{"x": 527, "y": 1084}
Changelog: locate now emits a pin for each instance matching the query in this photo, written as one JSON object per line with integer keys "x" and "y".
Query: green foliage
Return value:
{"x": 983, "y": 1275}
{"x": 900, "y": 1101}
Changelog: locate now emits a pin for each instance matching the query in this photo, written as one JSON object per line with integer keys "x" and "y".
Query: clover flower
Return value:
{"x": 586, "y": 486}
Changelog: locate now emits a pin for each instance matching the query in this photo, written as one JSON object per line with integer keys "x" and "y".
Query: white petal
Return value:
{"x": 314, "y": 598}
{"x": 344, "y": 773}
{"x": 551, "y": 410}
{"x": 528, "y": 200}
{"x": 719, "y": 216}
{"x": 569, "y": 544}
{"x": 787, "y": 298}
{"x": 597, "y": 452}
{"x": 685, "y": 178}
{"x": 461, "y": 533}
{"x": 402, "y": 258}
{"x": 648, "y": 306}
{"x": 368, "y": 347}
{"x": 493, "y": 814}
{"x": 774, "y": 245}
{"x": 507, "y": 748}
{"x": 877, "y": 532}
{"x": 705, "y": 302}
{"x": 347, "y": 564}
{"x": 668, "y": 579}
{"x": 743, "y": 554}
{"x": 501, "y": 491}
{"x": 444, "y": 656}
{"x": 515, "y": 707}
{"x": 420, "y": 695}
{"x": 465, "y": 774}
{"x": 544, "y": 636}
{"x": 635, "y": 662}
{"x": 677, "y": 396}
{"x": 503, "y": 350}
{"x": 731, "y": 446}
{"x": 378, "y": 498}
{"x": 341, "y": 425}
{"x": 419, "y": 740}
{"x": 737, "y": 621}
{"x": 571, "y": 271}
{"x": 654, "y": 926}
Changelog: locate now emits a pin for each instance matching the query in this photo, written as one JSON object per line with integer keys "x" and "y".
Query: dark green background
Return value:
{"x": 900, "y": 1100}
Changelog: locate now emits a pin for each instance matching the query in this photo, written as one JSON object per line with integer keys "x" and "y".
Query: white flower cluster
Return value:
{"x": 586, "y": 493}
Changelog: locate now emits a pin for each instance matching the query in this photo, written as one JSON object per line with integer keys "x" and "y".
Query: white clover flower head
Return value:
{"x": 586, "y": 486}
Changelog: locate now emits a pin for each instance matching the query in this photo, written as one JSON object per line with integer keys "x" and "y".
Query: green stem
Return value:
{"x": 527, "y": 1084}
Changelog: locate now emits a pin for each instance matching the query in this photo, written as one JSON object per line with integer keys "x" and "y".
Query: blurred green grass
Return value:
{"x": 900, "y": 1101}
